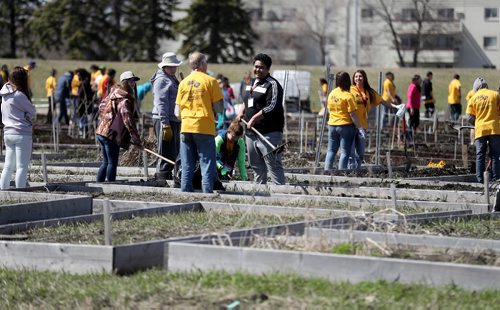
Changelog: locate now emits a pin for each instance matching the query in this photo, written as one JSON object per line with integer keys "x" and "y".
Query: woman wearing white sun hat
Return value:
{"x": 167, "y": 125}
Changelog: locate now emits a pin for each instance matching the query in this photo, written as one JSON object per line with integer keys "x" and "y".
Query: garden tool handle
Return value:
{"x": 159, "y": 156}
{"x": 259, "y": 134}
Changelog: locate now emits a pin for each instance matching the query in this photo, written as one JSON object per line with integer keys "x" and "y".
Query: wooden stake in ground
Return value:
{"x": 107, "y": 222}
{"x": 486, "y": 176}
{"x": 393, "y": 196}
{"x": 145, "y": 162}
{"x": 44, "y": 169}
{"x": 389, "y": 166}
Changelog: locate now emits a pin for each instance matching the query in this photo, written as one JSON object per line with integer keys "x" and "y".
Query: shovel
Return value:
{"x": 275, "y": 149}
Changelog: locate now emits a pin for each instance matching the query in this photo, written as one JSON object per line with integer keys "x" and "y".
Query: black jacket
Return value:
{"x": 267, "y": 95}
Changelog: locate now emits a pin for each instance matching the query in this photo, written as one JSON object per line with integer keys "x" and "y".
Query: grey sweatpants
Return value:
{"x": 272, "y": 163}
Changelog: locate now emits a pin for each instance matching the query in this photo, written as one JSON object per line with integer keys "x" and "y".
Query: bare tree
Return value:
{"x": 418, "y": 16}
{"x": 317, "y": 16}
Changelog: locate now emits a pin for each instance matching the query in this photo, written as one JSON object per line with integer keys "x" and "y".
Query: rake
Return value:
{"x": 159, "y": 156}
{"x": 275, "y": 149}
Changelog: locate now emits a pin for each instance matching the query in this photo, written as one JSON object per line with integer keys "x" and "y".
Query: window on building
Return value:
{"x": 366, "y": 40}
{"x": 438, "y": 42}
{"x": 367, "y": 13}
{"x": 330, "y": 39}
{"x": 445, "y": 14}
{"x": 409, "y": 14}
{"x": 490, "y": 43}
{"x": 289, "y": 13}
{"x": 491, "y": 13}
{"x": 408, "y": 42}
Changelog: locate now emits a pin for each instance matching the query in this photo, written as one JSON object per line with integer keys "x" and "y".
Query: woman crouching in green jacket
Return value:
{"x": 230, "y": 147}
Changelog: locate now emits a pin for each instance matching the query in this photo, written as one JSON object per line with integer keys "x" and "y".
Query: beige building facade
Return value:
{"x": 454, "y": 33}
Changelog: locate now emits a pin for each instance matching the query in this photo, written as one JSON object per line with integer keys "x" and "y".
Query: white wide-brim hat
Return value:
{"x": 169, "y": 59}
{"x": 128, "y": 75}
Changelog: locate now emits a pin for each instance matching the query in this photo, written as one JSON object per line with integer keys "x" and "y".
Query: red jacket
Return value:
{"x": 414, "y": 96}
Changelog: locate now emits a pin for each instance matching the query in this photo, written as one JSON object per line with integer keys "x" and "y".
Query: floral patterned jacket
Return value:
{"x": 124, "y": 103}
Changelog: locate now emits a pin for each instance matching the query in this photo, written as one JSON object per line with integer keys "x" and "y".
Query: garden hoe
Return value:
{"x": 275, "y": 149}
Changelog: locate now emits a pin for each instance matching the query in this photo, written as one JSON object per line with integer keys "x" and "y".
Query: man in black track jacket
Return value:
{"x": 263, "y": 110}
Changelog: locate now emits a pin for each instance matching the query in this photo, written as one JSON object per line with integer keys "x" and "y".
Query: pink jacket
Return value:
{"x": 126, "y": 105}
{"x": 413, "y": 95}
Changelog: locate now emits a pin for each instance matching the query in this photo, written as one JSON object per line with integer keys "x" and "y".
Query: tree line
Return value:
{"x": 123, "y": 30}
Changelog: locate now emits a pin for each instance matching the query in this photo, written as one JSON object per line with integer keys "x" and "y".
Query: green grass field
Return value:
{"x": 144, "y": 70}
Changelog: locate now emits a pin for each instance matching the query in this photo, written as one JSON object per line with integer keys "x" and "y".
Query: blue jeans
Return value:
{"x": 339, "y": 136}
{"x": 195, "y": 146}
{"x": 482, "y": 143}
{"x": 17, "y": 156}
{"x": 357, "y": 152}
{"x": 110, "y": 154}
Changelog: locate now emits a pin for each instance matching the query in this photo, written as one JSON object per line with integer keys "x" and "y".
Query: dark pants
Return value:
{"x": 168, "y": 149}
{"x": 413, "y": 122}
{"x": 455, "y": 111}
{"x": 493, "y": 142}
{"x": 429, "y": 109}
{"x": 110, "y": 155}
{"x": 49, "y": 112}
{"x": 63, "y": 112}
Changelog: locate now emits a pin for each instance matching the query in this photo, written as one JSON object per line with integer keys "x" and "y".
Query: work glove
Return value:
{"x": 362, "y": 133}
{"x": 220, "y": 121}
{"x": 223, "y": 171}
{"x": 220, "y": 165}
{"x": 167, "y": 133}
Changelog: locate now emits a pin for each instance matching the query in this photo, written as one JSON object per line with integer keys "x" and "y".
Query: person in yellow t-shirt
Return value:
{"x": 323, "y": 94}
{"x": 389, "y": 93}
{"x": 365, "y": 97}
{"x": 483, "y": 112}
{"x": 75, "y": 93}
{"x": 94, "y": 72}
{"x": 199, "y": 98}
{"x": 343, "y": 123}
{"x": 469, "y": 95}
{"x": 50, "y": 87}
{"x": 454, "y": 97}
{"x": 30, "y": 67}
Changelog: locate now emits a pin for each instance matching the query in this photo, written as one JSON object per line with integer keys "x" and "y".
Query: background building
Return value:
{"x": 446, "y": 33}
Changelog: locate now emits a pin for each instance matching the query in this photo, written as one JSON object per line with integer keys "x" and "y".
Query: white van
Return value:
{"x": 297, "y": 90}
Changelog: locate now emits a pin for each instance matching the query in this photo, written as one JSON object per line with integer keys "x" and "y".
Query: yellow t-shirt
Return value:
{"x": 469, "y": 95}
{"x": 75, "y": 85}
{"x": 93, "y": 75}
{"x": 454, "y": 92}
{"x": 364, "y": 106}
{"x": 389, "y": 89}
{"x": 324, "y": 88}
{"x": 340, "y": 104}
{"x": 196, "y": 96}
{"x": 50, "y": 85}
{"x": 4, "y": 76}
{"x": 101, "y": 83}
{"x": 485, "y": 106}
